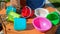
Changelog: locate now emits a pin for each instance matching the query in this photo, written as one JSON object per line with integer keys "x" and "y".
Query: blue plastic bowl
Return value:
{"x": 10, "y": 8}
{"x": 35, "y": 3}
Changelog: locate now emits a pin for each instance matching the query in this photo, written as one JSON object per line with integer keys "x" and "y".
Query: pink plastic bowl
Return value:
{"x": 42, "y": 24}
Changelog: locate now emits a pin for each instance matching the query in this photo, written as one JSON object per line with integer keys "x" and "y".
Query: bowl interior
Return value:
{"x": 41, "y": 12}
{"x": 52, "y": 17}
{"x": 42, "y": 24}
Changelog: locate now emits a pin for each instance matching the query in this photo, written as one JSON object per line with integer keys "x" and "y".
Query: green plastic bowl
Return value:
{"x": 53, "y": 17}
{"x": 12, "y": 15}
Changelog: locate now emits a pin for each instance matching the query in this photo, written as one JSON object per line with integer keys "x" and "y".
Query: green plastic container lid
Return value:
{"x": 12, "y": 15}
{"x": 53, "y": 17}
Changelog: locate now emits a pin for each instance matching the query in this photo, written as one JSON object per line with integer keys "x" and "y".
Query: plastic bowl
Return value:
{"x": 12, "y": 15}
{"x": 27, "y": 12}
{"x": 42, "y": 24}
{"x": 41, "y": 12}
{"x": 10, "y": 8}
{"x": 35, "y": 3}
{"x": 53, "y": 17}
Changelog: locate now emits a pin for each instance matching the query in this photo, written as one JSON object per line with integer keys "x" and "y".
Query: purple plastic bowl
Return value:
{"x": 42, "y": 24}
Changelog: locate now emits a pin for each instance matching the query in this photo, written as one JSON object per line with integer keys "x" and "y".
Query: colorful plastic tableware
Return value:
{"x": 19, "y": 23}
{"x": 27, "y": 12}
{"x": 42, "y": 24}
{"x": 10, "y": 8}
{"x": 13, "y": 15}
{"x": 35, "y": 3}
{"x": 53, "y": 17}
{"x": 41, "y": 12}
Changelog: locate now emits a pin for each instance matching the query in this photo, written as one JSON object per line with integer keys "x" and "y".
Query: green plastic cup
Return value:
{"x": 12, "y": 15}
{"x": 53, "y": 17}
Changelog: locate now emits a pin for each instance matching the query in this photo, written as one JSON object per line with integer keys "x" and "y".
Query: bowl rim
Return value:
{"x": 43, "y": 30}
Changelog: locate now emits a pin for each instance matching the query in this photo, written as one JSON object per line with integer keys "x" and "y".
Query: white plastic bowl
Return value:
{"x": 41, "y": 12}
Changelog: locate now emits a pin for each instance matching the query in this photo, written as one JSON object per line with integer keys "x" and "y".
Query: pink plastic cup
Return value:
{"x": 42, "y": 24}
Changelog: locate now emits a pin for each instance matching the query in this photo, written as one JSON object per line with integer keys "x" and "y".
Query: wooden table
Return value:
{"x": 30, "y": 29}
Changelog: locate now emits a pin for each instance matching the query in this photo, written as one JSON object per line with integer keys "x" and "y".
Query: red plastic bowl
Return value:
{"x": 27, "y": 12}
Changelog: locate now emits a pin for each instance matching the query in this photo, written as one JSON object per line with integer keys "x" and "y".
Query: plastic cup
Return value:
{"x": 42, "y": 24}
{"x": 20, "y": 24}
{"x": 41, "y": 12}
{"x": 53, "y": 17}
